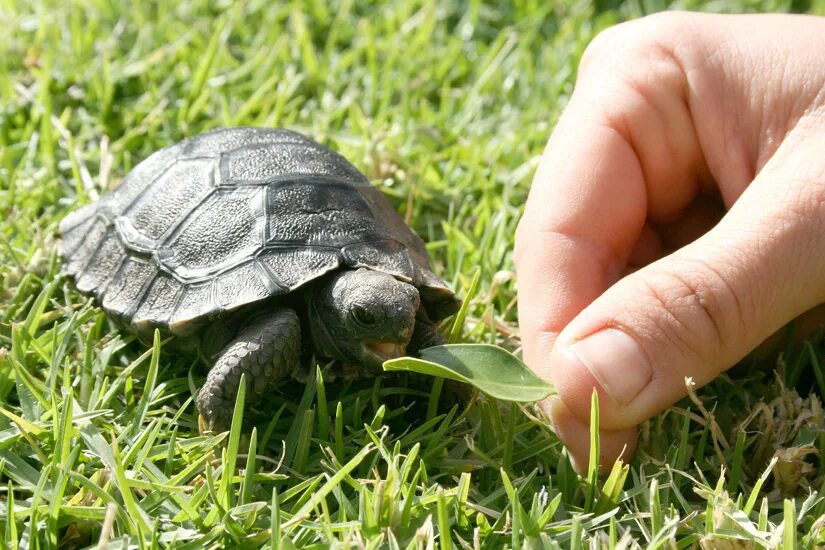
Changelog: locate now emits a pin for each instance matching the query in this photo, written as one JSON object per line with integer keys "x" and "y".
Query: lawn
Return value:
{"x": 446, "y": 108}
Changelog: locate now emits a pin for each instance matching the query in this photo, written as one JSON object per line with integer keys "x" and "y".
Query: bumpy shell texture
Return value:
{"x": 230, "y": 218}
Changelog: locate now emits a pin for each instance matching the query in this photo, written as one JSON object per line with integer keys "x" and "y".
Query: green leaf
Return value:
{"x": 491, "y": 369}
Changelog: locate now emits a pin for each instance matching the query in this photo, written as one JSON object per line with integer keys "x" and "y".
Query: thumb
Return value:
{"x": 700, "y": 310}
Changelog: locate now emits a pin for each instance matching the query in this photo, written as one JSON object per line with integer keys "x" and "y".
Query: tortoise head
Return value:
{"x": 362, "y": 315}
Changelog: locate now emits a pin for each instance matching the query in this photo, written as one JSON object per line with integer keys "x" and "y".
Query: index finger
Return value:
{"x": 585, "y": 212}
{"x": 624, "y": 151}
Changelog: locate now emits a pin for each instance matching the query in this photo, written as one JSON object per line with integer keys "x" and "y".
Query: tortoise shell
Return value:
{"x": 231, "y": 218}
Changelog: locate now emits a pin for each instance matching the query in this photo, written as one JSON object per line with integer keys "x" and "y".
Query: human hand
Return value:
{"x": 626, "y": 281}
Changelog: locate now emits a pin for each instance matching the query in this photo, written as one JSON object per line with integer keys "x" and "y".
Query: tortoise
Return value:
{"x": 254, "y": 247}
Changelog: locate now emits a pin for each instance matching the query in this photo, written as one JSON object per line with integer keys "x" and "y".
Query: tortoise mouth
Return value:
{"x": 379, "y": 352}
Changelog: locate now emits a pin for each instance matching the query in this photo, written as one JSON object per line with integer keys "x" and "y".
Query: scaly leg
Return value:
{"x": 266, "y": 350}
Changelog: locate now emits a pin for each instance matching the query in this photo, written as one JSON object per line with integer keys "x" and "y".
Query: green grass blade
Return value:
{"x": 458, "y": 324}
{"x": 249, "y": 470}
{"x": 593, "y": 464}
{"x": 327, "y": 487}
{"x": 444, "y": 535}
{"x": 231, "y": 456}
{"x": 789, "y": 532}
{"x": 754, "y": 494}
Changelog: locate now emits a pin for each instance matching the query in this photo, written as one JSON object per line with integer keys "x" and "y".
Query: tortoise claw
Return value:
{"x": 202, "y": 428}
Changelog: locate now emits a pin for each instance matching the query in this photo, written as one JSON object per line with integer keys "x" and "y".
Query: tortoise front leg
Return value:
{"x": 267, "y": 350}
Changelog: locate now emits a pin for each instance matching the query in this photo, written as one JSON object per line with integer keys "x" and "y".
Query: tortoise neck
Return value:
{"x": 322, "y": 339}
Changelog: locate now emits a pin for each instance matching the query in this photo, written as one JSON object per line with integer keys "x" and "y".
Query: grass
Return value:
{"x": 446, "y": 108}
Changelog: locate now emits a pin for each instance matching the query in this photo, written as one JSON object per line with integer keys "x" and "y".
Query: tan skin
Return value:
{"x": 677, "y": 218}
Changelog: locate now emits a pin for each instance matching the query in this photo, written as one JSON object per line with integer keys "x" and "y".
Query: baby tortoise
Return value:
{"x": 253, "y": 246}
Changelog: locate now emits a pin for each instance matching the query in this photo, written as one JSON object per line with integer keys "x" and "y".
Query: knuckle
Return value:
{"x": 695, "y": 308}
{"x": 810, "y": 204}
{"x": 633, "y": 68}
{"x": 602, "y": 45}
{"x": 793, "y": 223}
{"x": 665, "y": 319}
{"x": 608, "y": 48}
{"x": 798, "y": 230}
{"x": 647, "y": 39}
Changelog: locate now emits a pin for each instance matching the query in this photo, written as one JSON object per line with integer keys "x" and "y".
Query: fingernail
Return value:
{"x": 616, "y": 361}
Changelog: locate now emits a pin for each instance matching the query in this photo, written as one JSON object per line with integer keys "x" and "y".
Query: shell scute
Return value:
{"x": 174, "y": 194}
{"x": 319, "y": 212}
{"x": 102, "y": 266}
{"x": 225, "y": 230}
{"x": 123, "y": 294}
{"x": 262, "y": 164}
{"x": 314, "y": 262}
{"x": 158, "y": 304}
{"x": 217, "y": 142}
{"x": 242, "y": 285}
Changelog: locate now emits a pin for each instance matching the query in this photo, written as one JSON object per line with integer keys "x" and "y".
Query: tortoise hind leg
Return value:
{"x": 267, "y": 350}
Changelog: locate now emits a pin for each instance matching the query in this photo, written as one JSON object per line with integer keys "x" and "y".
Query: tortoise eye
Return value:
{"x": 363, "y": 316}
